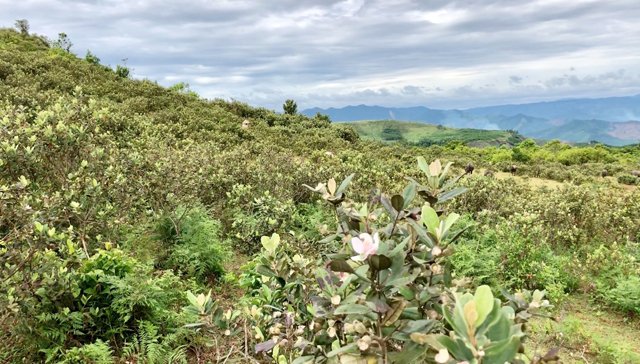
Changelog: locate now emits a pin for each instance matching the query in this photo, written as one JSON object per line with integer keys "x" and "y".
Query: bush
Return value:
{"x": 503, "y": 257}
{"x": 627, "y": 179}
{"x": 584, "y": 155}
{"x": 104, "y": 297}
{"x": 254, "y": 217}
{"x": 625, "y": 295}
{"x": 193, "y": 244}
{"x": 94, "y": 353}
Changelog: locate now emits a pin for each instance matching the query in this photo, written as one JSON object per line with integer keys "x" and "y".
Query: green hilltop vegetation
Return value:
{"x": 145, "y": 224}
{"x": 422, "y": 134}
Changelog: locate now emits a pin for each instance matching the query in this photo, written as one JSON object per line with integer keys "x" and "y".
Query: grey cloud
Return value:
{"x": 333, "y": 53}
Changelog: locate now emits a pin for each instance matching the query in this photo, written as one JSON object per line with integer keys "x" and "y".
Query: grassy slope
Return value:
{"x": 420, "y": 132}
{"x": 587, "y": 333}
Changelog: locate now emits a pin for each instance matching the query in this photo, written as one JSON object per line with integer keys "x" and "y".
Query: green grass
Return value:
{"x": 429, "y": 134}
{"x": 588, "y": 333}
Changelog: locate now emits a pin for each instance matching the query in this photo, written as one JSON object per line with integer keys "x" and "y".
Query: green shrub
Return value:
{"x": 584, "y": 155}
{"x": 196, "y": 248}
{"x": 503, "y": 257}
{"x": 627, "y": 179}
{"x": 625, "y": 295}
{"x": 104, "y": 297}
{"x": 477, "y": 260}
{"x": 94, "y": 353}
{"x": 253, "y": 217}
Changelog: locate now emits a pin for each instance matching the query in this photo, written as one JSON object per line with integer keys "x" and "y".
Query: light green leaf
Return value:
{"x": 430, "y": 218}
{"x": 270, "y": 244}
{"x": 422, "y": 164}
{"x": 449, "y": 221}
{"x": 345, "y": 183}
{"x": 352, "y": 309}
{"x": 484, "y": 303}
{"x": 501, "y": 352}
{"x": 409, "y": 193}
{"x": 347, "y": 348}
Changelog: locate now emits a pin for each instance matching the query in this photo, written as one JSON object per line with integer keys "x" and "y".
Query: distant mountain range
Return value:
{"x": 611, "y": 120}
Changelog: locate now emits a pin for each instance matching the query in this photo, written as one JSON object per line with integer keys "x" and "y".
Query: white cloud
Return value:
{"x": 333, "y": 53}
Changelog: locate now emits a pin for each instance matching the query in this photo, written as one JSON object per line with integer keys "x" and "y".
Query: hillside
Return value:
{"x": 581, "y": 120}
{"x": 144, "y": 224}
{"x": 426, "y": 134}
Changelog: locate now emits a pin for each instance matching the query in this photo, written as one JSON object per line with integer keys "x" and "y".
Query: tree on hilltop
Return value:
{"x": 290, "y": 107}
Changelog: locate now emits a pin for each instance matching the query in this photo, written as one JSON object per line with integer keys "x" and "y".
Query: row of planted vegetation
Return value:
{"x": 144, "y": 224}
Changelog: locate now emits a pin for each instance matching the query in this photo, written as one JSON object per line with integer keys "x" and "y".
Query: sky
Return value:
{"x": 436, "y": 53}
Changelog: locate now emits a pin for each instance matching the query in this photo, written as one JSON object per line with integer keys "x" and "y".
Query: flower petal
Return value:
{"x": 357, "y": 245}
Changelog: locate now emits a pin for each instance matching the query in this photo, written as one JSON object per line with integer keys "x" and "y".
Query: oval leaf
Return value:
{"x": 380, "y": 262}
{"x": 397, "y": 202}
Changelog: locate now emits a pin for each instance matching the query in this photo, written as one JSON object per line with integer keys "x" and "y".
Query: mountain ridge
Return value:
{"x": 578, "y": 120}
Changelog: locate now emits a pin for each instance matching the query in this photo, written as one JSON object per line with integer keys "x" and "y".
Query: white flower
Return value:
{"x": 335, "y": 300}
{"x": 442, "y": 356}
{"x": 365, "y": 245}
{"x": 364, "y": 342}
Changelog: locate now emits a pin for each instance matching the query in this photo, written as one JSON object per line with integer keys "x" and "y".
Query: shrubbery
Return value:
{"x": 117, "y": 197}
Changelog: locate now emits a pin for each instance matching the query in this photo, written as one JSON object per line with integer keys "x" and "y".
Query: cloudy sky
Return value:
{"x": 334, "y": 53}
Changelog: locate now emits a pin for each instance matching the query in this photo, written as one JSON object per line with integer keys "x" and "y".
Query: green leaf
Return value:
{"x": 340, "y": 266}
{"x": 265, "y": 271}
{"x": 430, "y": 218}
{"x": 347, "y": 348}
{"x": 450, "y": 220}
{"x": 399, "y": 249}
{"x": 498, "y": 326}
{"x": 328, "y": 239}
{"x": 270, "y": 244}
{"x": 451, "y": 194}
{"x": 384, "y": 200}
{"x": 423, "y": 326}
{"x": 39, "y": 227}
{"x": 501, "y": 352}
{"x": 410, "y": 353}
{"x": 409, "y": 194}
{"x": 444, "y": 173}
{"x": 422, "y": 233}
{"x": 397, "y": 202}
{"x": 402, "y": 281}
{"x": 457, "y": 348}
{"x": 406, "y": 292}
{"x": 345, "y": 183}
{"x": 352, "y": 309}
{"x": 423, "y": 165}
{"x": 380, "y": 262}
{"x": 456, "y": 318}
{"x": 307, "y": 359}
{"x": 484, "y": 303}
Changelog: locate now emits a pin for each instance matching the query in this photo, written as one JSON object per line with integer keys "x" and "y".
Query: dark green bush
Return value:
{"x": 628, "y": 179}
{"x": 193, "y": 244}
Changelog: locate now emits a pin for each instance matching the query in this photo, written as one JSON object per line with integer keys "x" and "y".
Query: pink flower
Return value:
{"x": 365, "y": 245}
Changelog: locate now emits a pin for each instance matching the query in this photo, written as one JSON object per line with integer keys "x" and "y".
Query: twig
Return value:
{"x": 246, "y": 339}
{"x": 228, "y": 355}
